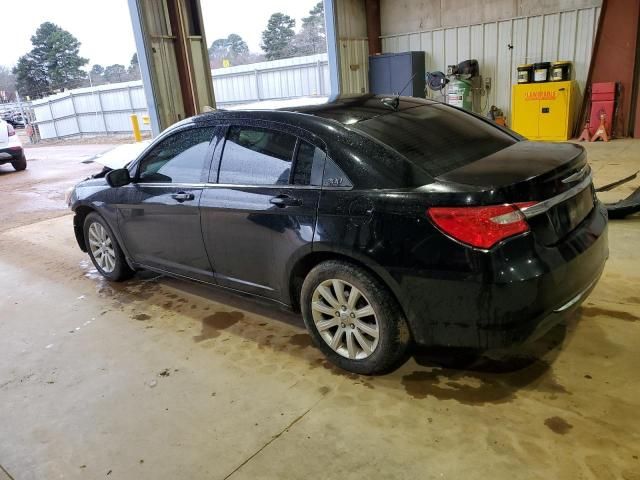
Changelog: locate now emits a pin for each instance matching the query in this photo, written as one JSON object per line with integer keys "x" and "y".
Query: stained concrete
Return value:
{"x": 159, "y": 378}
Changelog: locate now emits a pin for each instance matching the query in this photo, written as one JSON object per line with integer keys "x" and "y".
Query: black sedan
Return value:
{"x": 385, "y": 221}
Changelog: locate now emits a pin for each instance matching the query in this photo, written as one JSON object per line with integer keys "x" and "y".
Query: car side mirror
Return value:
{"x": 118, "y": 177}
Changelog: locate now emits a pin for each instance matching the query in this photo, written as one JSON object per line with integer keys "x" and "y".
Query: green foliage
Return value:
{"x": 115, "y": 73}
{"x": 134, "y": 68}
{"x": 97, "y": 70}
{"x": 277, "y": 39}
{"x": 237, "y": 46}
{"x": 52, "y": 64}
{"x": 312, "y": 37}
{"x": 232, "y": 48}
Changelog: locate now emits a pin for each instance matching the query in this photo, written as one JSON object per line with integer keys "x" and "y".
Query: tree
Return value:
{"x": 134, "y": 68}
{"x": 31, "y": 77}
{"x": 312, "y": 38}
{"x": 52, "y": 64}
{"x": 95, "y": 76}
{"x": 115, "y": 73}
{"x": 7, "y": 85}
{"x": 277, "y": 39}
{"x": 97, "y": 70}
{"x": 236, "y": 45}
{"x": 232, "y": 48}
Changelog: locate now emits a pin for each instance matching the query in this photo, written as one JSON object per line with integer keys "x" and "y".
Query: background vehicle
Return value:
{"x": 16, "y": 120}
{"x": 11, "y": 150}
{"x": 383, "y": 220}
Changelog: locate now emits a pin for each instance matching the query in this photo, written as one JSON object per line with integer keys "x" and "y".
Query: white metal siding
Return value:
{"x": 565, "y": 35}
{"x": 103, "y": 109}
{"x": 107, "y": 108}
{"x": 278, "y": 79}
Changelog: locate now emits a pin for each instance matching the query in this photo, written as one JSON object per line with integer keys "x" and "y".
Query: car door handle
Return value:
{"x": 183, "y": 196}
{"x": 285, "y": 201}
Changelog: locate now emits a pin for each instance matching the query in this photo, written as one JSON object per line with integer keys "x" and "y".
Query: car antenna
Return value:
{"x": 395, "y": 101}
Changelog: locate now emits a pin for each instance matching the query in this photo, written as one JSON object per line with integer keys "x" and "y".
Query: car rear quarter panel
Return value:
{"x": 453, "y": 294}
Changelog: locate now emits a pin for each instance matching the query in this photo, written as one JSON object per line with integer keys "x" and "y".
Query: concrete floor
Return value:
{"x": 158, "y": 378}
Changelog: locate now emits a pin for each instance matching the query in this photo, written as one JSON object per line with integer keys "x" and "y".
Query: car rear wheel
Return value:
{"x": 20, "y": 164}
{"x": 353, "y": 318}
{"x": 103, "y": 248}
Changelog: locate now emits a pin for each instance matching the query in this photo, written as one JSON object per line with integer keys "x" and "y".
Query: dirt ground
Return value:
{"x": 160, "y": 378}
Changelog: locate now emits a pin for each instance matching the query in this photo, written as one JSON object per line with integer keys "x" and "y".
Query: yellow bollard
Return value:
{"x": 136, "y": 128}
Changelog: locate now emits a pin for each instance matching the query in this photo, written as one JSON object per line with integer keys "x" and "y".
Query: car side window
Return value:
{"x": 179, "y": 158}
{"x": 256, "y": 156}
{"x": 334, "y": 176}
{"x": 309, "y": 165}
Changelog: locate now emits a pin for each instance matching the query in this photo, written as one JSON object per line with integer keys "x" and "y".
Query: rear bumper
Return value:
{"x": 519, "y": 292}
{"x": 10, "y": 154}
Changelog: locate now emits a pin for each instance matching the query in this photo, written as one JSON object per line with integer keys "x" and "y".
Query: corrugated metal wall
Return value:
{"x": 354, "y": 65}
{"x": 103, "y": 109}
{"x": 567, "y": 35}
{"x": 354, "y": 48}
{"x": 107, "y": 108}
{"x": 278, "y": 79}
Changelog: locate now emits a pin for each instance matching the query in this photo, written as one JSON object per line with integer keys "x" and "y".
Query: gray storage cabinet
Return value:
{"x": 389, "y": 73}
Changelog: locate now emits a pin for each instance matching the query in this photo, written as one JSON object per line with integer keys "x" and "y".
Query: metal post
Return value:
{"x": 53, "y": 120}
{"x": 135, "y": 125}
{"x": 75, "y": 113}
{"x": 319, "y": 78}
{"x": 145, "y": 65}
{"x": 104, "y": 120}
{"x": 333, "y": 46}
{"x": 24, "y": 119}
{"x": 256, "y": 77}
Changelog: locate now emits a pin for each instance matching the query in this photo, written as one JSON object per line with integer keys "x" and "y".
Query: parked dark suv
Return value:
{"x": 384, "y": 221}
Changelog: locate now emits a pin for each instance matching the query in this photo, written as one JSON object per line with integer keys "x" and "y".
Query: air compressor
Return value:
{"x": 462, "y": 85}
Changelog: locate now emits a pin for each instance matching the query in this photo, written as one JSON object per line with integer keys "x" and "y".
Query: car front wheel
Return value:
{"x": 20, "y": 163}
{"x": 353, "y": 318}
{"x": 103, "y": 248}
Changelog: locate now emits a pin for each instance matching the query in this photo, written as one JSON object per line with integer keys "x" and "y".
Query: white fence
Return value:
{"x": 279, "y": 79}
{"x": 107, "y": 108}
{"x": 90, "y": 111}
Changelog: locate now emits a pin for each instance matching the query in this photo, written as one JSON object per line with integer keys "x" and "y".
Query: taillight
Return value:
{"x": 10, "y": 129}
{"x": 481, "y": 227}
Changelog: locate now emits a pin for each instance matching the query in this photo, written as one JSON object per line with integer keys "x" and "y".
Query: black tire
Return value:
{"x": 392, "y": 329}
{"x": 20, "y": 164}
{"x": 121, "y": 270}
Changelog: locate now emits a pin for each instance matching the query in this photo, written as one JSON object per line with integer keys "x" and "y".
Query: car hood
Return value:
{"x": 122, "y": 155}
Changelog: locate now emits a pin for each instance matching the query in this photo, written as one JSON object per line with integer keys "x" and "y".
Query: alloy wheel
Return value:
{"x": 102, "y": 247}
{"x": 345, "y": 319}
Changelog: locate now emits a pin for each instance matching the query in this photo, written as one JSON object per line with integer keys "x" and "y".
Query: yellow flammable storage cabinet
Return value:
{"x": 543, "y": 111}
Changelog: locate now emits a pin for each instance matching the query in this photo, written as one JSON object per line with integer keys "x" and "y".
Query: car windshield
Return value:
{"x": 437, "y": 138}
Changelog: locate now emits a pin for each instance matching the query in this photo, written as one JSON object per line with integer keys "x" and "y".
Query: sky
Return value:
{"x": 103, "y": 27}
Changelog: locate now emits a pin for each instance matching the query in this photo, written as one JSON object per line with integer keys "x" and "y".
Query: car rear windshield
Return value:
{"x": 437, "y": 138}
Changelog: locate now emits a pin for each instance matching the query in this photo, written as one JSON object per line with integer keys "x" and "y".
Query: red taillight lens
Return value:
{"x": 481, "y": 227}
{"x": 11, "y": 130}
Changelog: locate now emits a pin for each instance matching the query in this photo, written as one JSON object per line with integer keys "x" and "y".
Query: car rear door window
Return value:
{"x": 179, "y": 158}
{"x": 309, "y": 165}
{"x": 256, "y": 156}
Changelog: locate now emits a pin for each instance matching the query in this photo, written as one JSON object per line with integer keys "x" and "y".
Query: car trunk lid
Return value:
{"x": 555, "y": 176}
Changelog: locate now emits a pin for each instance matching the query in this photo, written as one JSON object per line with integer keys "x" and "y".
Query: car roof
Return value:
{"x": 346, "y": 110}
{"x": 330, "y": 123}
{"x": 352, "y": 109}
